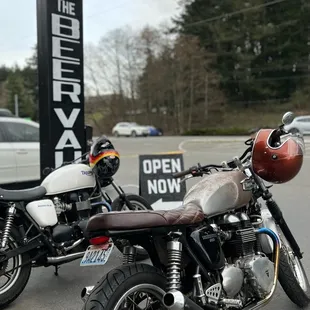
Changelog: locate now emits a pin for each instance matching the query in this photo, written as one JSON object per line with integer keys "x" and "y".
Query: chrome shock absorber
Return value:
{"x": 174, "y": 248}
{"x": 8, "y": 224}
{"x": 129, "y": 255}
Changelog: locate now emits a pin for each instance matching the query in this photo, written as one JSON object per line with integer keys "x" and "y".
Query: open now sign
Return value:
{"x": 156, "y": 182}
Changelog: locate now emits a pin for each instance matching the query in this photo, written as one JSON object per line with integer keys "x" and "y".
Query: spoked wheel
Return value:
{"x": 131, "y": 287}
{"x": 292, "y": 275}
{"x": 141, "y": 296}
{"x": 12, "y": 282}
{"x": 139, "y": 203}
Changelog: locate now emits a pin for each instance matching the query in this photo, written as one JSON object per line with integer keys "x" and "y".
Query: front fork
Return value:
{"x": 279, "y": 219}
{"x": 122, "y": 196}
{"x": 11, "y": 211}
{"x": 278, "y": 216}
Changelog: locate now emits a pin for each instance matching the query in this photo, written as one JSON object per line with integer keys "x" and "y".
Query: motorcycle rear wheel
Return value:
{"x": 117, "y": 285}
{"x": 292, "y": 275}
{"x": 20, "y": 276}
{"x": 139, "y": 203}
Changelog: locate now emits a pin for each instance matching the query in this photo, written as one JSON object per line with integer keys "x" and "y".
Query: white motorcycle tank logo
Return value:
{"x": 66, "y": 35}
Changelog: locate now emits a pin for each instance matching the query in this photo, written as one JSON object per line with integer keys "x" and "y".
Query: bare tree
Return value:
{"x": 151, "y": 76}
{"x": 112, "y": 69}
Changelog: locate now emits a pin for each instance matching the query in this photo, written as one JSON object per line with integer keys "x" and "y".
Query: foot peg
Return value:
{"x": 213, "y": 293}
{"x": 232, "y": 303}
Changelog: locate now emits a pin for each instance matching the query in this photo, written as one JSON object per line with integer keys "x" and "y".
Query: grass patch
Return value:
{"x": 233, "y": 131}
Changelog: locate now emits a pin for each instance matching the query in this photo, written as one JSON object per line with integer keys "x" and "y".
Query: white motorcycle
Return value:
{"x": 45, "y": 225}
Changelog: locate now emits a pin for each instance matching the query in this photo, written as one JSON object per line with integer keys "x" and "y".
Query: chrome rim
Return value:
{"x": 294, "y": 263}
{"x": 11, "y": 277}
{"x": 138, "y": 206}
{"x": 142, "y": 297}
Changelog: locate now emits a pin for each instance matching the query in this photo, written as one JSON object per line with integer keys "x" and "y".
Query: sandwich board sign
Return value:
{"x": 156, "y": 183}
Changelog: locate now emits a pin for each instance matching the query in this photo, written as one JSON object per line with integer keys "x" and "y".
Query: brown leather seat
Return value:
{"x": 189, "y": 214}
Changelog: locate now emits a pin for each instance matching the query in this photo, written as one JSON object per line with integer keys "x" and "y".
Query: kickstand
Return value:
{"x": 56, "y": 270}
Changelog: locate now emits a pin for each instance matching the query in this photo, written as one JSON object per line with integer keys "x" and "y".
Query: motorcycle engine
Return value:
{"x": 61, "y": 206}
{"x": 248, "y": 273}
{"x": 73, "y": 206}
{"x": 73, "y": 211}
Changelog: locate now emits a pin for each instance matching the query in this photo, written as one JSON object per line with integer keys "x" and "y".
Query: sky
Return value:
{"x": 18, "y": 22}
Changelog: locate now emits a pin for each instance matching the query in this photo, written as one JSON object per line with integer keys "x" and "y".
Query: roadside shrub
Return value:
{"x": 233, "y": 131}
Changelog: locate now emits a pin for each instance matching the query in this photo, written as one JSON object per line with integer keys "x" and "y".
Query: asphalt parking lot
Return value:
{"x": 45, "y": 291}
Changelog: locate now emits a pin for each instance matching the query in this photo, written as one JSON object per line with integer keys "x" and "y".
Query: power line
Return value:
{"x": 273, "y": 68}
{"x": 282, "y": 100}
{"x": 276, "y": 28}
{"x": 226, "y": 15}
{"x": 289, "y": 77}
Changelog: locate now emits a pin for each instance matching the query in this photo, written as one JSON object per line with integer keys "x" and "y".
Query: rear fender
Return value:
{"x": 268, "y": 222}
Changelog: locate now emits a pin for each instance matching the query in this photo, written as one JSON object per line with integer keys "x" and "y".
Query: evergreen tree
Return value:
{"x": 16, "y": 86}
{"x": 260, "y": 50}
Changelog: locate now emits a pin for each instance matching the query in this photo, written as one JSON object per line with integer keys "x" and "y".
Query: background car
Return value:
{"x": 19, "y": 150}
{"x": 153, "y": 131}
{"x": 129, "y": 129}
{"x": 300, "y": 124}
{"x": 6, "y": 112}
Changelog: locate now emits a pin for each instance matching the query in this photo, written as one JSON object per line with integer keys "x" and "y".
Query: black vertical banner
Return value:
{"x": 61, "y": 81}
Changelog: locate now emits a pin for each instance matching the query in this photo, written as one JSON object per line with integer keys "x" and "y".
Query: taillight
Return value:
{"x": 99, "y": 240}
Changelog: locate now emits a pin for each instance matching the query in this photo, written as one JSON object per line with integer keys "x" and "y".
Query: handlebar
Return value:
{"x": 183, "y": 173}
{"x": 199, "y": 170}
{"x": 196, "y": 171}
{"x": 47, "y": 170}
{"x": 232, "y": 164}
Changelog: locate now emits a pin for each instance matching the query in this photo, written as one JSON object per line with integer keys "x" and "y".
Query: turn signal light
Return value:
{"x": 99, "y": 240}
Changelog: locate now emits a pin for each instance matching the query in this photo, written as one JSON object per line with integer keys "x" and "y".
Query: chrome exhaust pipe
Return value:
{"x": 175, "y": 300}
{"x": 276, "y": 244}
{"x": 86, "y": 292}
{"x": 75, "y": 244}
{"x": 65, "y": 259}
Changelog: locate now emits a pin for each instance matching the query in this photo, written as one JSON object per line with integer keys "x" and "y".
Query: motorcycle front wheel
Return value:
{"x": 139, "y": 203}
{"x": 292, "y": 275}
{"x": 12, "y": 283}
{"x": 135, "y": 286}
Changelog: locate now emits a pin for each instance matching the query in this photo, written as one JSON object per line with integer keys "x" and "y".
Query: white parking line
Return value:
{"x": 130, "y": 185}
{"x": 181, "y": 145}
{"x": 182, "y": 148}
{"x": 222, "y": 143}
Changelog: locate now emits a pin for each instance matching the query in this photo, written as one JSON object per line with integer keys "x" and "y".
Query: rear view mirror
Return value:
{"x": 288, "y": 118}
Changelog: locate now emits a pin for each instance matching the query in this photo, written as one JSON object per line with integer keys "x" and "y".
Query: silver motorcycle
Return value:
{"x": 222, "y": 249}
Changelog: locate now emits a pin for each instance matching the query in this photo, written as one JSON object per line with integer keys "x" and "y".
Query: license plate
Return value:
{"x": 96, "y": 255}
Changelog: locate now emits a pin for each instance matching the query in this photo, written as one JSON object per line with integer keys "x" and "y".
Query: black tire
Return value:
{"x": 116, "y": 134}
{"x": 109, "y": 290}
{"x": 290, "y": 284}
{"x": 133, "y": 134}
{"x": 12, "y": 293}
{"x": 117, "y": 205}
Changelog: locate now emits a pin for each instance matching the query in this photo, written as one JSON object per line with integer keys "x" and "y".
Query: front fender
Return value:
{"x": 268, "y": 222}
